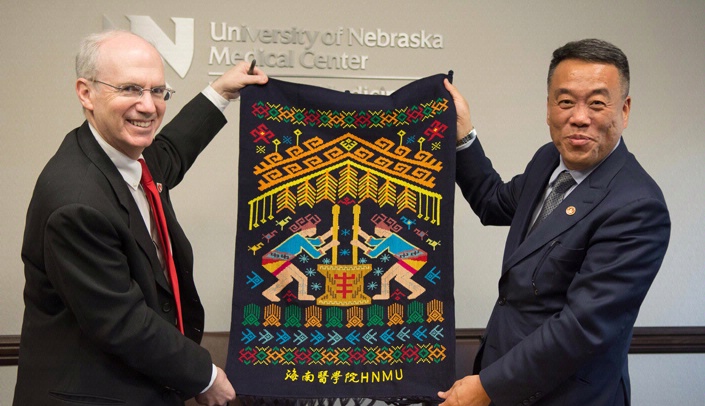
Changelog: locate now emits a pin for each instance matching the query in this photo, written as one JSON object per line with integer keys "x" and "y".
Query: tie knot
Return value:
{"x": 564, "y": 182}
{"x": 146, "y": 175}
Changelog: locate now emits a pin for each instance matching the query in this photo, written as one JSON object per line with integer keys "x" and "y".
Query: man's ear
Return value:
{"x": 626, "y": 108}
{"x": 85, "y": 93}
{"x": 548, "y": 112}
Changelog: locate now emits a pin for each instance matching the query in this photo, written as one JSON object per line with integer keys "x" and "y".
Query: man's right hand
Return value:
{"x": 237, "y": 77}
{"x": 220, "y": 393}
{"x": 467, "y": 391}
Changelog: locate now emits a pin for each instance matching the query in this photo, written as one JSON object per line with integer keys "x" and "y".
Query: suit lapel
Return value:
{"x": 101, "y": 160}
{"x": 583, "y": 199}
{"x": 535, "y": 187}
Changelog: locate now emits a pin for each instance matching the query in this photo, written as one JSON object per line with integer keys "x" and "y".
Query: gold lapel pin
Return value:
{"x": 570, "y": 210}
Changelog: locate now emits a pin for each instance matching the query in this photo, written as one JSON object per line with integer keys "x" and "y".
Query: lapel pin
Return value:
{"x": 570, "y": 210}
{"x": 159, "y": 187}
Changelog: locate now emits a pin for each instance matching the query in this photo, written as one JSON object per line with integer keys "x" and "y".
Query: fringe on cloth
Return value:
{"x": 267, "y": 401}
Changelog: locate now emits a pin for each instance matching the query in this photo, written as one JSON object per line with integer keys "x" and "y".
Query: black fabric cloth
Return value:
{"x": 315, "y": 315}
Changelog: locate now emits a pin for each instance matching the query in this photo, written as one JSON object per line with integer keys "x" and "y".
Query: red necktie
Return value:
{"x": 155, "y": 203}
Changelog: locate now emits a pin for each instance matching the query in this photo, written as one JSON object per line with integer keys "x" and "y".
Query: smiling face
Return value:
{"x": 126, "y": 123}
{"x": 586, "y": 111}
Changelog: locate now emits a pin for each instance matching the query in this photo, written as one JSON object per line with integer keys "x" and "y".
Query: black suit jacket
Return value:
{"x": 99, "y": 322}
{"x": 569, "y": 292}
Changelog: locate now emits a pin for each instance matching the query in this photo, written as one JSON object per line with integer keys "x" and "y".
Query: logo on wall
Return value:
{"x": 179, "y": 53}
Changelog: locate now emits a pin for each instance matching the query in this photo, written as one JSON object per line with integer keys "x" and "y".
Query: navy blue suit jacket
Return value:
{"x": 570, "y": 291}
{"x": 99, "y": 315}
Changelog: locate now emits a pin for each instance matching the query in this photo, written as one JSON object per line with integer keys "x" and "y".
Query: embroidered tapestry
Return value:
{"x": 344, "y": 256}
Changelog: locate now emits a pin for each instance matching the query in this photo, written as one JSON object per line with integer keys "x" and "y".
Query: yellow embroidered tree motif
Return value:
{"x": 306, "y": 194}
{"x": 347, "y": 182}
{"x": 387, "y": 194}
{"x": 272, "y": 315}
{"x": 326, "y": 186}
{"x": 434, "y": 310}
{"x": 354, "y": 315}
{"x": 314, "y": 316}
{"x": 286, "y": 200}
{"x": 396, "y": 314}
{"x": 367, "y": 187}
{"x": 406, "y": 200}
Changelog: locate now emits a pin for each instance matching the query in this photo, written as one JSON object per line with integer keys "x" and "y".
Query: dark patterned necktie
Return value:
{"x": 560, "y": 186}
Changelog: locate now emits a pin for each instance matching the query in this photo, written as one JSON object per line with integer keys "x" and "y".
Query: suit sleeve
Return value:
{"x": 493, "y": 201}
{"x": 177, "y": 146}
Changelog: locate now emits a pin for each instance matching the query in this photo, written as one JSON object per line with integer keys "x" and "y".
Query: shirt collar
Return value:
{"x": 129, "y": 169}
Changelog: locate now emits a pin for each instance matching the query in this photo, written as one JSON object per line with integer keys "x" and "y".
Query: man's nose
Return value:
{"x": 580, "y": 115}
{"x": 147, "y": 103}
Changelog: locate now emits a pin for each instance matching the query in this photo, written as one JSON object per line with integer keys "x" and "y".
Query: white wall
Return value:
{"x": 667, "y": 379}
{"x": 499, "y": 51}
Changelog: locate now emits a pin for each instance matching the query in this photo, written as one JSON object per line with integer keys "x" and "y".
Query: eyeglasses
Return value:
{"x": 135, "y": 91}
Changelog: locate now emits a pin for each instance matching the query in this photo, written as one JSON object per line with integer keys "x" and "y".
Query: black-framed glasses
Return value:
{"x": 135, "y": 91}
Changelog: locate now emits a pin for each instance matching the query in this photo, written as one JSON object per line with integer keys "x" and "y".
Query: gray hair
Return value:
{"x": 593, "y": 50}
{"x": 89, "y": 50}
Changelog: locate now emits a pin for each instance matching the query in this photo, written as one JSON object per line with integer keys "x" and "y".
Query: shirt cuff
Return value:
{"x": 214, "y": 373}
{"x": 219, "y": 101}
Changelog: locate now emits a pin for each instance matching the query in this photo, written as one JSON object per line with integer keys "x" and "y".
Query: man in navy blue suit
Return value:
{"x": 572, "y": 281}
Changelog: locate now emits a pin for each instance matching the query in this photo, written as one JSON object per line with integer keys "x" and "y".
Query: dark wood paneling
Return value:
{"x": 9, "y": 349}
{"x": 668, "y": 340}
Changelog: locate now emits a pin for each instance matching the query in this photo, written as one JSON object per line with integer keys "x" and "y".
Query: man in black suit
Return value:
{"x": 100, "y": 313}
{"x": 572, "y": 280}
